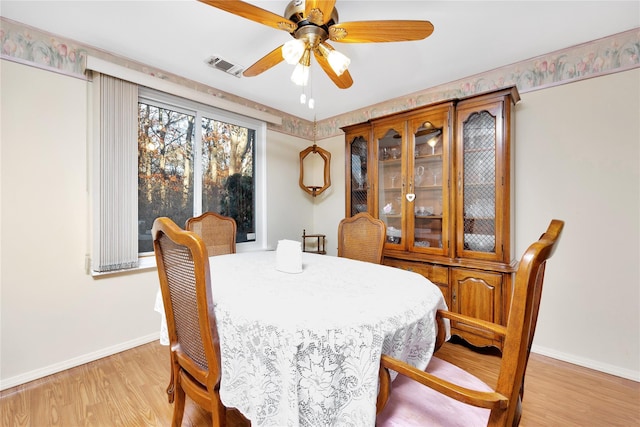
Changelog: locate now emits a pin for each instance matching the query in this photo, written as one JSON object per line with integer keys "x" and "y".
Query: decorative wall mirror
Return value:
{"x": 317, "y": 162}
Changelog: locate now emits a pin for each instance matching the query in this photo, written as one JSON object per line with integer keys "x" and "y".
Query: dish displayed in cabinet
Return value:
{"x": 393, "y": 235}
{"x": 480, "y": 242}
{"x": 361, "y": 207}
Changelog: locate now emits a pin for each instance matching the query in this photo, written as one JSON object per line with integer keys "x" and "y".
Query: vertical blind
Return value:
{"x": 116, "y": 173}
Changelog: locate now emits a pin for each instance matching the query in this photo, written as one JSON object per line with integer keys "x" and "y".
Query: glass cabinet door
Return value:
{"x": 428, "y": 215}
{"x": 358, "y": 174}
{"x": 390, "y": 181}
{"x": 479, "y": 183}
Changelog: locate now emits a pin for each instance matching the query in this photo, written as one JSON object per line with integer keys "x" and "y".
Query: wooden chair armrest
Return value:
{"x": 482, "y": 399}
{"x": 498, "y": 331}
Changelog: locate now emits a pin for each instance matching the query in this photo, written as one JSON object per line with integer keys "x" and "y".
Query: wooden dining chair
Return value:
{"x": 361, "y": 237}
{"x": 217, "y": 231}
{"x": 445, "y": 395}
{"x": 185, "y": 284}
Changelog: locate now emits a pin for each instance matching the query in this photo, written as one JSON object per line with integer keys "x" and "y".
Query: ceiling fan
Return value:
{"x": 311, "y": 23}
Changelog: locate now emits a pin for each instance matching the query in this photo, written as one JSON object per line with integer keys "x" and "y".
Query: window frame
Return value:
{"x": 198, "y": 109}
{"x": 95, "y": 68}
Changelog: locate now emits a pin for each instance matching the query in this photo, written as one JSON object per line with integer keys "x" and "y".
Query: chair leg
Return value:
{"x": 178, "y": 405}
{"x": 218, "y": 411}
{"x": 171, "y": 388}
{"x": 518, "y": 413}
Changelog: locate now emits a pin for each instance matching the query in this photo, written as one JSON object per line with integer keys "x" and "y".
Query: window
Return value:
{"x": 155, "y": 154}
{"x": 193, "y": 158}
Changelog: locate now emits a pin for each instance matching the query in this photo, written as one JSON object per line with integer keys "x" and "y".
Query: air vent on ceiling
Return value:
{"x": 226, "y": 66}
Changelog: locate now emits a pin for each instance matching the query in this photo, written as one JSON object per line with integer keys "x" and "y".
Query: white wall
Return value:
{"x": 52, "y": 312}
{"x": 53, "y": 315}
{"x": 577, "y": 159}
{"x": 289, "y": 208}
{"x": 329, "y": 206}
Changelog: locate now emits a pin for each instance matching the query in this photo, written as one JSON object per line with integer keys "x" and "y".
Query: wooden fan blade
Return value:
{"x": 318, "y": 11}
{"x": 271, "y": 59}
{"x": 380, "y": 31}
{"x": 343, "y": 81}
{"x": 253, "y": 13}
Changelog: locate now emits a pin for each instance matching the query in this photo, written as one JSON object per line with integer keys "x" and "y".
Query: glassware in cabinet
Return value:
{"x": 430, "y": 147}
{"x": 391, "y": 182}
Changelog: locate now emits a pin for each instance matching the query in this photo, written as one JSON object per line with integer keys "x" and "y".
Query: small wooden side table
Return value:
{"x": 319, "y": 242}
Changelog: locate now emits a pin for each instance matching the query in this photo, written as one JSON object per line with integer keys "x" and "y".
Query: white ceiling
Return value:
{"x": 470, "y": 37}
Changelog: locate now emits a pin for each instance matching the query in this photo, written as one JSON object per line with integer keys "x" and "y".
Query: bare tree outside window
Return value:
{"x": 167, "y": 143}
{"x": 227, "y": 178}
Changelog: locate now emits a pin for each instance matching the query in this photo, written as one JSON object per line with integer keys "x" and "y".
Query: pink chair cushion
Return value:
{"x": 413, "y": 404}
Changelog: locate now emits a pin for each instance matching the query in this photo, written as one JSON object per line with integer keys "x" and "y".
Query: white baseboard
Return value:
{"x": 76, "y": 361}
{"x": 588, "y": 363}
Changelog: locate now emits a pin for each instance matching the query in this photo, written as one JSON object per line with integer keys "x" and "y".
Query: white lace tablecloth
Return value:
{"x": 304, "y": 349}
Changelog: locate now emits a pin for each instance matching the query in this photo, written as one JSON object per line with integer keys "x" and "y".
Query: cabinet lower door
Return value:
{"x": 478, "y": 294}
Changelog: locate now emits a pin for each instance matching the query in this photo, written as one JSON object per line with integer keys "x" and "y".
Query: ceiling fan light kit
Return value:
{"x": 292, "y": 51}
{"x": 300, "y": 75}
{"x": 312, "y": 23}
{"x": 338, "y": 61}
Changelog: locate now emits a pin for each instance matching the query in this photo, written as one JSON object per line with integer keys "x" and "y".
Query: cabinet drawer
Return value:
{"x": 435, "y": 273}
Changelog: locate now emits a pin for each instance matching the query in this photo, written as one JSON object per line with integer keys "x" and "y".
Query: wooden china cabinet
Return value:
{"x": 441, "y": 178}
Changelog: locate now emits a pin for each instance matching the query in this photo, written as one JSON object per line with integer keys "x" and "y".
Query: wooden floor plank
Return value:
{"x": 128, "y": 389}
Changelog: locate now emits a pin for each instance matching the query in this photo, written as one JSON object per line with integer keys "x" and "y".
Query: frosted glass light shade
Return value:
{"x": 338, "y": 62}
{"x": 292, "y": 51}
{"x": 300, "y": 75}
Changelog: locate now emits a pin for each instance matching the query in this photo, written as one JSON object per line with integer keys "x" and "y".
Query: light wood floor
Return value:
{"x": 128, "y": 389}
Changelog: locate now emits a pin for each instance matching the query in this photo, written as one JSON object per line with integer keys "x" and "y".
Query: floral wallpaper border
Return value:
{"x": 615, "y": 53}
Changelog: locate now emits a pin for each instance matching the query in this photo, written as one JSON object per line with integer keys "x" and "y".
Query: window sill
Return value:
{"x": 145, "y": 263}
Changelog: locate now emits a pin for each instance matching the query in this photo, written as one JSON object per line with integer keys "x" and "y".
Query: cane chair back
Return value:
{"x": 361, "y": 237}
{"x": 217, "y": 231}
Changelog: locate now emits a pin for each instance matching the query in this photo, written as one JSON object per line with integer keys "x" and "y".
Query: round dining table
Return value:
{"x": 303, "y": 349}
